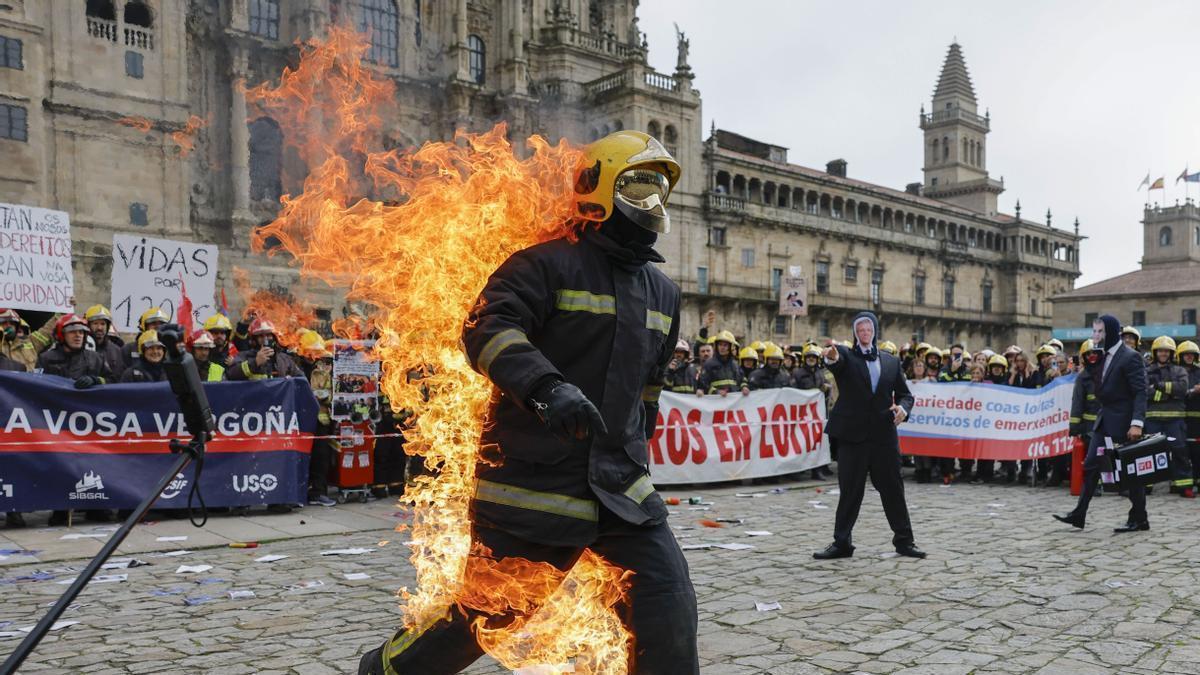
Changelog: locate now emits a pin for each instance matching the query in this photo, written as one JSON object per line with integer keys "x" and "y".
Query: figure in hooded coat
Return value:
{"x": 873, "y": 399}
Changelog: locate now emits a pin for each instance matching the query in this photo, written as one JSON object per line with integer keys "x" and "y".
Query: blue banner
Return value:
{"x": 105, "y": 447}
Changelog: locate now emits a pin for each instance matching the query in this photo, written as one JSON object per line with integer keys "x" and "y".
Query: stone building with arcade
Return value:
{"x": 936, "y": 259}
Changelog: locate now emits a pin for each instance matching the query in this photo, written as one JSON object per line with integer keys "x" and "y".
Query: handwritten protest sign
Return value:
{"x": 35, "y": 259}
{"x": 146, "y": 273}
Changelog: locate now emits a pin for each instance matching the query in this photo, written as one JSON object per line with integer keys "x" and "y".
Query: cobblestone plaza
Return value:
{"x": 1004, "y": 590}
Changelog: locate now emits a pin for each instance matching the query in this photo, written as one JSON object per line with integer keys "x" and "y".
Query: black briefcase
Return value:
{"x": 1147, "y": 462}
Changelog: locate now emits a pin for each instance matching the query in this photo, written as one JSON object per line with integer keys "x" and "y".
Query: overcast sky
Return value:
{"x": 1085, "y": 96}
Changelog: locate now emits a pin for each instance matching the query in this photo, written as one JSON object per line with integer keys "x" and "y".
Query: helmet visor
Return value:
{"x": 644, "y": 189}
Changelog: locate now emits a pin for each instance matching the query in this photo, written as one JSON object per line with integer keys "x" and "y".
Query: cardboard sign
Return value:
{"x": 35, "y": 259}
{"x": 146, "y": 273}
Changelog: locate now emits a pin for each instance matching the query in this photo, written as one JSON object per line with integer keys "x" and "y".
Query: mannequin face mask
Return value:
{"x": 1098, "y": 332}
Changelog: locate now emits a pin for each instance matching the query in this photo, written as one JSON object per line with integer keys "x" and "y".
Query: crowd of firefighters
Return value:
{"x": 88, "y": 350}
{"x": 721, "y": 366}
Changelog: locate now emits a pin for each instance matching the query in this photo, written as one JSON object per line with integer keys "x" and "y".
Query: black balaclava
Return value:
{"x": 635, "y": 244}
{"x": 1112, "y": 331}
{"x": 874, "y": 353}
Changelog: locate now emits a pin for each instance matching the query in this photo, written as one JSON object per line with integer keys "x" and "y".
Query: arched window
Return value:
{"x": 945, "y": 147}
{"x": 1164, "y": 236}
{"x": 654, "y": 130}
{"x": 264, "y": 18}
{"x": 138, "y": 22}
{"x": 618, "y": 125}
{"x": 965, "y": 152}
{"x": 381, "y": 20}
{"x": 476, "y": 58}
{"x": 266, "y": 153}
{"x": 101, "y": 9}
{"x": 670, "y": 140}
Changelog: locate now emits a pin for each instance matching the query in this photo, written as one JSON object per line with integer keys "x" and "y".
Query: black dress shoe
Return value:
{"x": 833, "y": 551}
{"x": 910, "y": 551}
{"x": 1070, "y": 519}
{"x": 1131, "y": 526}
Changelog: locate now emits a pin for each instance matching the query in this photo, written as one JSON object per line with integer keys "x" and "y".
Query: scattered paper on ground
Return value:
{"x": 356, "y": 576}
{"x": 767, "y": 606}
{"x": 177, "y": 538}
{"x": 348, "y": 551}
{"x": 192, "y": 569}
{"x": 270, "y": 558}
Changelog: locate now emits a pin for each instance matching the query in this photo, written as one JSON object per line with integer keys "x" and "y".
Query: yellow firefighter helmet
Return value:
{"x": 1163, "y": 342}
{"x": 630, "y": 171}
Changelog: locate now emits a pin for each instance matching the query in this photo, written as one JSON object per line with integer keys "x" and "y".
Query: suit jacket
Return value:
{"x": 861, "y": 415}
{"x": 1121, "y": 393}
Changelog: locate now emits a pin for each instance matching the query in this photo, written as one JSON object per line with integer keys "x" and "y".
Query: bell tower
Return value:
{"x": 956, "y": 141}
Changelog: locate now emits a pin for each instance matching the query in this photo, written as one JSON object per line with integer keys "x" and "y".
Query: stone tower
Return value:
{"x": 956, "y": 142}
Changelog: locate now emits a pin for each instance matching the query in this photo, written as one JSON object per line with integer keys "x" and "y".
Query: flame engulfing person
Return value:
{"x": 531, "y": 571}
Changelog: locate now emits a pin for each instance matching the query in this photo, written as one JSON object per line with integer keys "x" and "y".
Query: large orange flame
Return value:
{"x": 290, "y": 315}
{"x": 416, "y": 234}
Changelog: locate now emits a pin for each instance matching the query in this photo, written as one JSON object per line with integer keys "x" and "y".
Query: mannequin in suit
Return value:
{"x": 873, "y": 398}
{"x": 1120, "y": 382}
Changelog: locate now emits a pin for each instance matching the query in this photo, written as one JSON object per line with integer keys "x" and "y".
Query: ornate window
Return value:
{"x": 264, "y": 18}
{"x": 919, "y": 289}
{"x": 476, "y": 58}
{"x": 381, "y": 20}
{"x": 1164, "y": 236}
{"x": 656, "y": 132}
{"x": 670, "y": 140}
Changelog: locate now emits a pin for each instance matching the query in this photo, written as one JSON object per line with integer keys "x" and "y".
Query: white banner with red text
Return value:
{"x": 987, "y": 421}
{"x": 706, "y": 439}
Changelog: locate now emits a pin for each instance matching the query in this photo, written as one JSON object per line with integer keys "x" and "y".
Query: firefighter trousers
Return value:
{"x": 661, "y": 612}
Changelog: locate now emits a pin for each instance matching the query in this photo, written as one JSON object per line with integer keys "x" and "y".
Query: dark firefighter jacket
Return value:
{"x": 963, "y": 374}
{"x": 593, "y": 315}
{"x": 110, "y": 351}
{"x": 721, "y": 374}
{"x": 144, "y": 371}
{"x": 1084, "y": 404}
{"x": 810, "y": 378}
{"x": 1166, "y": 387}
{"x": 769, "y": 378}
{"x": 246, "y": 368}
{"x": 1193, "y": 403}
{"x": 681, "y": 380}
{"x": 73, "y": 365}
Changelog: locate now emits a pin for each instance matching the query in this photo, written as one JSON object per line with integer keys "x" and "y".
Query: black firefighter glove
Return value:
{"x": 651, "y": 418}
{"x": 566, "y": 412}
{"x": 86, "y": 382}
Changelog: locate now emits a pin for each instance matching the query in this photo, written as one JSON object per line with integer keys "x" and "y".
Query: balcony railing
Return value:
{"x": 951, "y": 114}
{"x": 660, "y": 81}
{"x": 139, "y": 38}
{"x": 102, "y": 29}
{"x": 591, "y": 41}
{"x": 720, "y": 202}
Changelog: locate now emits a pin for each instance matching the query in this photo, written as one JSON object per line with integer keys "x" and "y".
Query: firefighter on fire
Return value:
{"x": 1166, "y": 389}
{"x": 1188, "y": 354}
{"x": 721, "y": 374}
{"x": 681, "y": 374}
{"x": 576, "y": 338}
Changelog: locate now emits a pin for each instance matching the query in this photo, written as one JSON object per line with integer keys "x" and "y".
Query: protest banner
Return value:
{"x": 35, "y": 259}
{"x": 717, "y": 438}
{"x": 793, "y": 293}
{"x": 355, "y": 378}
{"x": 985, "y": 421}
{"x": 147, "y": 273}
{"x": 62, "y": 447}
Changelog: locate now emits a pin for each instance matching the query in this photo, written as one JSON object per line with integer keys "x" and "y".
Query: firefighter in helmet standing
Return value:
{"x": 1084, "y": 404}
{"x": 771, "y": 375}
{"x": 150, "y": 319}
{"x": 681, "y": 374}
{"x": 575, "y": 338}
{"x": 1188, "y": 354}
{"x": 721, "y": 374}
{"x": 108, "y": 345}
{"x": 221, "y": 329}
{"x": 1166, "y": 391}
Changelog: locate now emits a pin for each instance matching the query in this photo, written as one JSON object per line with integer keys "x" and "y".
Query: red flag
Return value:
{"x": 184, "y": 314}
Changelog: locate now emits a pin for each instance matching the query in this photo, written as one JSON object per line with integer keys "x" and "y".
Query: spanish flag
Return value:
{"x": 1157, "y": 185}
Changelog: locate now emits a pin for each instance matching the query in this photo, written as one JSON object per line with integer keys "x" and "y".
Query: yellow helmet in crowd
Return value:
{"x": 772, "y": 352}
{"x": 758, "y": 345}
{"x": 148, "y": 338}
{"x": 748, "y": 353}
{"x": 725, "y": 336}
{"x": 1056, "y": 343}
{"x": 97, "y": 312}
{"x": 1187, "y": 347}
{"x": 312, "y": 345}
{"x": 1085, "y": 347}
{"x": 1130, "y": 330}
{"x": 889, "y": 347}
{"x": 152, "y": 314}
{"x": 1163, "y": 342}
{"x": 922, "y": 348}
{"x": 998, "y": 360}
{"x": 812, "y": 350}
{"x": 1045, "y": 350}
{"x": 610, "y": 171}
{"x": 933, "y": 351}
{"x": 218, "y": 322}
